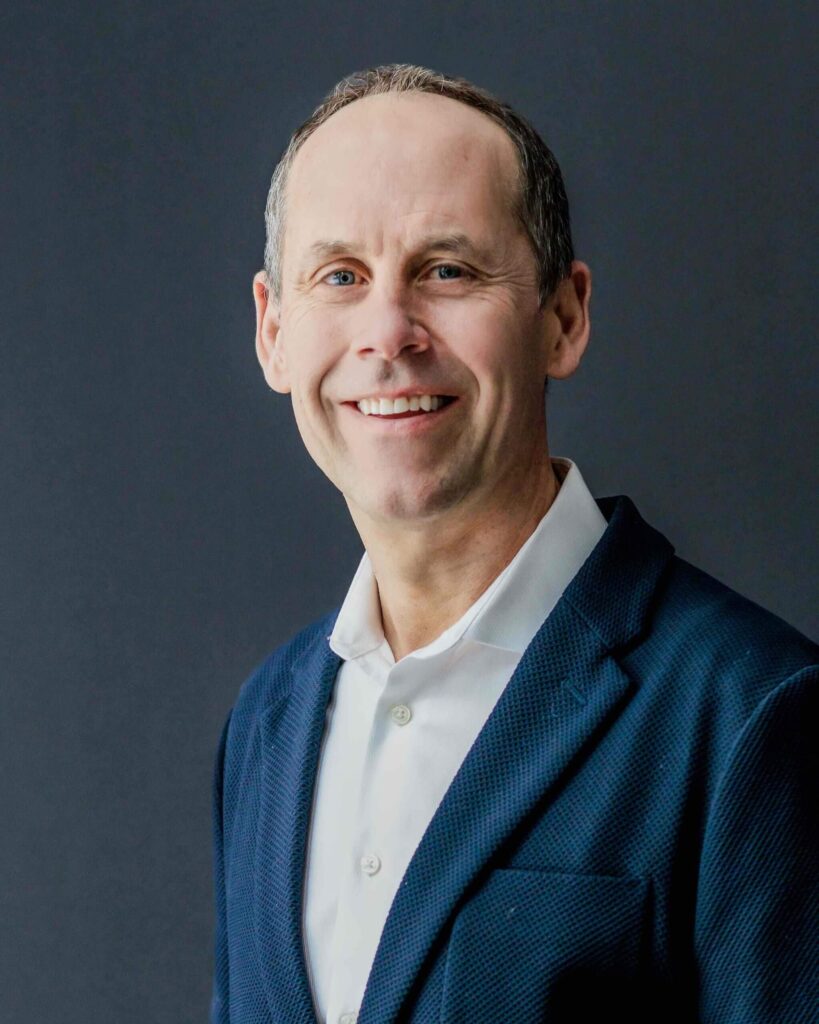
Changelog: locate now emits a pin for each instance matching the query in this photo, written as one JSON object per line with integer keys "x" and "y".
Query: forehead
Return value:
{"x": 393, "y": 165}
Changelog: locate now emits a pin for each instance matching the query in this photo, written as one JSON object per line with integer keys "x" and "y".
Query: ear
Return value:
{"x": 569, "y": 324}
{"x": 269, "y": 350}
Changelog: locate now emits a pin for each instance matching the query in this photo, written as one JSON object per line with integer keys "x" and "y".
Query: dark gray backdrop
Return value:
{"x": 162, "y": 526}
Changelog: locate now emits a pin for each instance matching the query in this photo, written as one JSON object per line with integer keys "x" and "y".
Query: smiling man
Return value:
{"x": 536, "y": 766}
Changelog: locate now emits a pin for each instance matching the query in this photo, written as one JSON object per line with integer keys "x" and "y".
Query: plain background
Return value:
{"x": 163, "y": 528}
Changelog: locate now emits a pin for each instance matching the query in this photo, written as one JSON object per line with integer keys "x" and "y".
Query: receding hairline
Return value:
{"x": 496, "y": 130}
{"x": 539, "y": 202}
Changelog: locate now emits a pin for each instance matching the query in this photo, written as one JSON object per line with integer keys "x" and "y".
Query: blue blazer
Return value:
{"x": 632, "y": 831}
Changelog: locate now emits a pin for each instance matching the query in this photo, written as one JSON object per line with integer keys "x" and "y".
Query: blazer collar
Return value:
{"x": 567, "y": 685}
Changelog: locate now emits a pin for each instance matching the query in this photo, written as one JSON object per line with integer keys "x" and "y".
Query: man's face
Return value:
{"x": 404, "y": 268}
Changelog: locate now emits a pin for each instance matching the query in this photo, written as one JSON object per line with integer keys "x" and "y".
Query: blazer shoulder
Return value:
{"x": 271, "y": 677}
{"x": 714, "y": 605}
{"x": 712, "y": 636}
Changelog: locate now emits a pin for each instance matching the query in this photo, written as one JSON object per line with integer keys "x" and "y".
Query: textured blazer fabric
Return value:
{"x": 632, "y": 831}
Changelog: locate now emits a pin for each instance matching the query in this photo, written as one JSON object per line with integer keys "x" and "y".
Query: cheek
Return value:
{"x": 316, "y": 388}
{"x": 310, "y": 408}
{"x": 486, "y": 338}
{"x": 310, "y": 361}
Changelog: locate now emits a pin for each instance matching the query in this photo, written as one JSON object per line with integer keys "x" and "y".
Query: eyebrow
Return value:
{"x": 455, "y": 242}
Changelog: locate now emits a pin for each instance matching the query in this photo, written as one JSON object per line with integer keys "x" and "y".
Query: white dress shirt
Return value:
{"x": 397, "y": 732}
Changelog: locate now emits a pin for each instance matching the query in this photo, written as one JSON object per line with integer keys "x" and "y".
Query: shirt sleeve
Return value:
{"x": 757, "y": 926}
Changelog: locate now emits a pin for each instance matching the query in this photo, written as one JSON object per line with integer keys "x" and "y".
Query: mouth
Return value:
{"x": 405, "y": 422}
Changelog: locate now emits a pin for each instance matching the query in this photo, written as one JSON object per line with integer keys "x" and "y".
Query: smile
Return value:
{"x": 403, "y": 405}
{"x": 408, "y": 421}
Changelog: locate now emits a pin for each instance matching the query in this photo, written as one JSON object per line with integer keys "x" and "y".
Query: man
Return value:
{"x": 536, "y": 767}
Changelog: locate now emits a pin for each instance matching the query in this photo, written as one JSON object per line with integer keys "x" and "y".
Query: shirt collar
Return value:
{"x": 512, "y": 608}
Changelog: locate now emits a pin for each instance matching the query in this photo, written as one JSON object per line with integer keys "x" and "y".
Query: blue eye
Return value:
{"x": 335, "y": 273}
{"x": 451, "y": 272}
{"x": 448, "y": 266}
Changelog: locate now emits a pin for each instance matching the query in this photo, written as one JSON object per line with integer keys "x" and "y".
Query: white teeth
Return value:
{"x": 388, "y": 407}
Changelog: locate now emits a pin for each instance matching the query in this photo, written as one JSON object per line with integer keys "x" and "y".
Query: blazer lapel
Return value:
{"x": 291, "y": 730}
{"x": 564, "y": 692}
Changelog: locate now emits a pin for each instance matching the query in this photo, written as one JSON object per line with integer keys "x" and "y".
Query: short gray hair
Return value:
{"x": 540, "y": 204}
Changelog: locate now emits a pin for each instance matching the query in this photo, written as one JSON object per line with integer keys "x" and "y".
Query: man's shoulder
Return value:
{"x": 271, "y": 678}
{"x": 677, "y": 628}
{"x": 704, "y": 632}
{"x": 714, "y": 614}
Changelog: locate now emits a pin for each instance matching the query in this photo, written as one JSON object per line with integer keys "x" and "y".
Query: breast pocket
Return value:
{"x": 543, "y": 945}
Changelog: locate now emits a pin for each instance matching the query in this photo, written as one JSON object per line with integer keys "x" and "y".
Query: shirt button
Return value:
{"x": 370, "y": 863}
{"x": 348, "y": 1018}
{"x": 401, "y": 714}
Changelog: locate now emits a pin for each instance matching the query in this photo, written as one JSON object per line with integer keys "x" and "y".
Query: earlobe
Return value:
{"x": 569, "y": 323}
{"x": 269, "y": 348}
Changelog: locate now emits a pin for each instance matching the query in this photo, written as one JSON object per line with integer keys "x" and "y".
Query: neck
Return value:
{"x": 427, "y": 578}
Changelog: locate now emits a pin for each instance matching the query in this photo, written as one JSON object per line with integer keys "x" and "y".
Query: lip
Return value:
{"x": 402, "y": 425}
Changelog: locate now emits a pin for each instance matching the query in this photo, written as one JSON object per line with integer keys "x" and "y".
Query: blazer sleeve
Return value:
{"x": 219, "y": 1006}
{"x": 757, "y": 926}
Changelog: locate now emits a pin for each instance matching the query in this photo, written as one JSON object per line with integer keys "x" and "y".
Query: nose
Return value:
{"x": 387, "y": 327}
